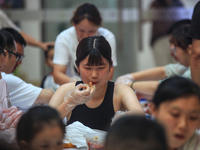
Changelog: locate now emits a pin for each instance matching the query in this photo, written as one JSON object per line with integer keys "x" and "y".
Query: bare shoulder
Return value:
{"x": 121, "y": 88}
{"x": 124, "y": 98}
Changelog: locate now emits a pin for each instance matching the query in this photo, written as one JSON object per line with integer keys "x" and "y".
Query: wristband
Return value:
{"x": 132, "y": 85}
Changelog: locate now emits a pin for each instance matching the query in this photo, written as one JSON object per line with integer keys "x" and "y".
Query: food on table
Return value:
{"x": 68, "y": 145}
{"x": 95, "y": 141}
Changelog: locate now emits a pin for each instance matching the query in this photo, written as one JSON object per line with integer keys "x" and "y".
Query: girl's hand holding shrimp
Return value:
{"x": 81, "y": 94}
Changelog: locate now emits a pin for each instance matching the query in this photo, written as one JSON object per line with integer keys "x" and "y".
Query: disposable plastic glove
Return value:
{"x": 125, "y": 79}
{"x": 8, "y": 122}
{"x": 118, "y": 115}
{"x": 81, "y": 94}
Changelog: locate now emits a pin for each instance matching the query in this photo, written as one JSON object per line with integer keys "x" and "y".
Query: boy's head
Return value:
{"x": 134, "y": 132}
{"x": 20, "y": 42}
{"x": 39, "y": 127}
{"x": 11, "y": 54}
{"x": 49, "y": 56}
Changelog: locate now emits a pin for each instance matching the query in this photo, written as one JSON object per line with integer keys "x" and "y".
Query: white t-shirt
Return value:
{"x": 49, "y": 83}
{"x": 4, "y": 100}
{"x": 21, "y": 94}
{"x": 176, "y": 69}
{"x": 6, "y": 22}
{"x": 67, "y": 42}
{"x": 193, "y": 143}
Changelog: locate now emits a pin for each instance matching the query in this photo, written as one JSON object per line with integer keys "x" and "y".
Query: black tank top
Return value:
{"x": 96, "y": 118}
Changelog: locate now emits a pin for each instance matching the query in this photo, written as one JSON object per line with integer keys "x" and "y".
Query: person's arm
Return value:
{"x": 44, "y": 96}
{"x": 63, "y": 55}
{"x": 195, "y": 61}
{"x": 125, "y": 102}
{"x": 57, "y": 101}
{"x": 33, "y": 42}
{"x": 67, "y": 97}
{"x": 6, "y": 22}
{"x": 141, "y": 95}
{"x": 58, "y": 97}
{"x": 59, "y": 74}
{"x": 156, "y": 73}
{"x": 129, "y": 100}
{"x": 145, "y": 87}
{"x": 22, "y": 94}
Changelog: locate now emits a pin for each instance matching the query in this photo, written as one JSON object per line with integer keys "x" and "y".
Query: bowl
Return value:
{"x": 95, "y": 141}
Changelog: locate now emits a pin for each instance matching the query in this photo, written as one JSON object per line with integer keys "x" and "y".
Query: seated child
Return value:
{"x": 48, "y": 80}
{"x": 40, "y": 128}
{"x": 135, "y": 133}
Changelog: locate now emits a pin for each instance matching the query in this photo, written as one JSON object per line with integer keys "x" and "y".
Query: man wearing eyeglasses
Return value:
{"x": 22, "y": 94}
{"x": 10, "y": 52}
{"x": 21, "y": 44}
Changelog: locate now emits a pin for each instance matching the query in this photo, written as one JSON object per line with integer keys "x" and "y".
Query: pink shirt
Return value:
{"x": 4, "y": 99}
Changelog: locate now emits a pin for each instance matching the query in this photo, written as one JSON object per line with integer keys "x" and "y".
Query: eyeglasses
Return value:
{"x": 21, "y": 56}
{"x": 174, "y": 50}
{"x": 16, "y": 55}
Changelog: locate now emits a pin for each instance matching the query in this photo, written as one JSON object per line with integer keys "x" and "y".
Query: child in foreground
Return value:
{"x": 135, "y": 133}
{"x": 40, "y": 128}
{"x": 176, "y": 105}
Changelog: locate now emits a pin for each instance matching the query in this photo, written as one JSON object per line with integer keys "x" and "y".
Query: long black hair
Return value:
{"x": 173, "y": 88}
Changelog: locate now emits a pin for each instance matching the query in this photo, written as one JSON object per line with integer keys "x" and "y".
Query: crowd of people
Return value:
{"x": 80, "y": 88}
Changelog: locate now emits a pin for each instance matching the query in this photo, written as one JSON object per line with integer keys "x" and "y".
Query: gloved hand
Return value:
{"x": 118, "y": 115}
{"x": 81, "y": 94}
{"x": 8, "y": 122}
{"x": 75, "y": 78}
{"x": 125, "y": 79}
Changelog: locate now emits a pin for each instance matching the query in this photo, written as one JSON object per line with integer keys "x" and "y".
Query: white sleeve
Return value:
{"x": 174, "y": 69}
{"x": 61, "y": 51}
{"x": 193, "y": 143}
{"x": 112, "y": 41}
{"x": 187, "y": 73}
{"x": 21, "y": 94}
{"x": 6, "y": 22}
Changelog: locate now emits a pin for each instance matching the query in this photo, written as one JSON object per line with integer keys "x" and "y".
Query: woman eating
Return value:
{"x": 94, "y": 104}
